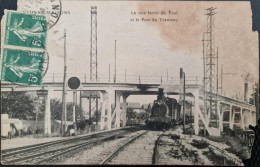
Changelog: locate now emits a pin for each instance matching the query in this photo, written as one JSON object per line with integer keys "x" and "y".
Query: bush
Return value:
{"x": 189, "y": 131}
{"x": 217, "y": 159}
{"x": 200, "y": 144}
{"x": 219, "y": 139}
{"x": 238, "y": 149}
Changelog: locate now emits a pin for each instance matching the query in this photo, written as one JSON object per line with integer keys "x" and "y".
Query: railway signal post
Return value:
{"x": 74, "y": 84}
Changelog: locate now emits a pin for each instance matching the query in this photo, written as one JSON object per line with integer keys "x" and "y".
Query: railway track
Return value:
{"x": 132, "y": 147}
{"x": 45, "y": 152}
{"x": 156, "y": 151}
{"x": 138, "y": 149}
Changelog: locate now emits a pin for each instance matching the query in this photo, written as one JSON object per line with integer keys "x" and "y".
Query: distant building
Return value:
{"x": 188, "y": 107}
{"x": 147, "y": 106}
{"x": 136, "y": 107}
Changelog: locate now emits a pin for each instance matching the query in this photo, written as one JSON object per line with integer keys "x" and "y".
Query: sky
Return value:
{"x": 150, "y": 48}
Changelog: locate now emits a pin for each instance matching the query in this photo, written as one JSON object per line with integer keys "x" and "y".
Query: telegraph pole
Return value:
{"x": 217, "y": 71}
{"x": 64, "y": 107}
{"x": 221, "y": 77}
{"x": 109, "y": 73}
{"x": 167, "y": 74}
{"x": 217, "y": 93}
{"x": 125, "y": 75}
{"x": 184, "y": 91}
{"x": 115, "y": 64}
{"x": 204, "y": 79}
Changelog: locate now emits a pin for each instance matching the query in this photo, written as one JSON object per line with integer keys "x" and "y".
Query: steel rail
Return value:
{"x": 60, "y": 151}
{"x": 113, "y": 154}
{"x": 37, "y": 146}
{"x": 75, "y": 148}
{"x": 9, "y": 152}
{"x": 155, "y": 150}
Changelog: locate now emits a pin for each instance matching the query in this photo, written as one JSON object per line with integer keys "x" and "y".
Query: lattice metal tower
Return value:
{"x": 93, "y": 45}
{"x": 210, "y": 67}
{"x": 93, "y": 100}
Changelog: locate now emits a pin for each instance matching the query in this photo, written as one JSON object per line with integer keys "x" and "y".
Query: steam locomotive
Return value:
{"x": 164, "y": 113}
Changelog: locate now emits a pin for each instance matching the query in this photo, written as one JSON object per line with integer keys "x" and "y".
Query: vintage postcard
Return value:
{"x": 130, "y": 82}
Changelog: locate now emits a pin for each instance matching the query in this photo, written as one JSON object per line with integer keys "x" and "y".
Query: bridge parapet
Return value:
{"x": 137, "y": 79}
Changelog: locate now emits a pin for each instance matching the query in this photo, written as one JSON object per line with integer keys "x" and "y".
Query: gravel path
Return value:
{"x": 25, "y": 141}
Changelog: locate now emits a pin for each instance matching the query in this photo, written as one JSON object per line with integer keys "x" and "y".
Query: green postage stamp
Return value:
{"x": 20, "y": 66}
{"x": 25, "y": 30}
{"x": 23, "y": 48}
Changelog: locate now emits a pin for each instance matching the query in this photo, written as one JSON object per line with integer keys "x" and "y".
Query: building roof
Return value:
{"x": 134, "y": 105}
{"x": 146, "y": 106}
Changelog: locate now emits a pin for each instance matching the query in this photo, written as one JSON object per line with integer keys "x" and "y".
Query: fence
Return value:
{"x": 136, "y": 79}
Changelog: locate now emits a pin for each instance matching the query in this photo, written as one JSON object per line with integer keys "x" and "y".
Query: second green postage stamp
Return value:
{"x": 25, "y": 67}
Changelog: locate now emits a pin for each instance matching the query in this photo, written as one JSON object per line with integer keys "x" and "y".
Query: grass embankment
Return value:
{"x": 235, "y": 146}
{"x": 215, "y": 156}
{"x": 218, "y": 159}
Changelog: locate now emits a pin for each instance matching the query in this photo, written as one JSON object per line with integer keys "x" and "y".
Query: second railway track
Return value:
{"x": 45, "y": 152}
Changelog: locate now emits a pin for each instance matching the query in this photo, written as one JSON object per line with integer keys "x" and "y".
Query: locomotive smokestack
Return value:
{"x": 246, "y": 92}
{"x": 160, "y": 94}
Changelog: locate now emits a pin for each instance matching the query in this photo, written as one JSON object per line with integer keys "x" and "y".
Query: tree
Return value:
{"x": 56, "y": 110}
{"x": 18, "y": 105}
{"x": 143, "y": 115}
{"x": 131, "y": 116}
